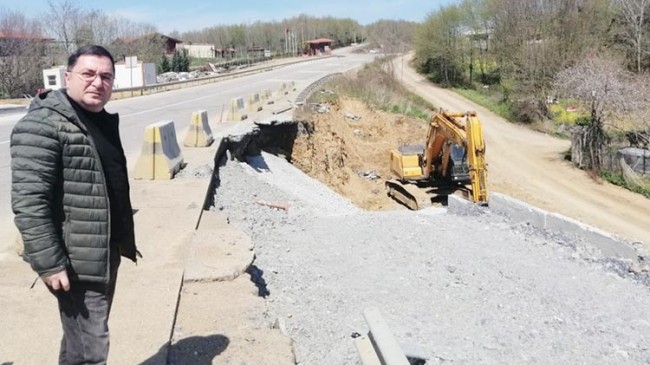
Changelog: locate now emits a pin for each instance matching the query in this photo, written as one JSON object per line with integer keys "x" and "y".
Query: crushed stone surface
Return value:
{"x": 473, "y": 289}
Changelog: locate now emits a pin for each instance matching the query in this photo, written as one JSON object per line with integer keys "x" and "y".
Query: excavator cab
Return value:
{"x": 458, "y": 167}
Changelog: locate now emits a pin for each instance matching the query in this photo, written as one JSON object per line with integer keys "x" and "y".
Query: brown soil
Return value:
{"x": 346, "y": 154}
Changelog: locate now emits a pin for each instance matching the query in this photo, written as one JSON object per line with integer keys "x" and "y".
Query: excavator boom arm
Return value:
{"x": 476, "y": 160}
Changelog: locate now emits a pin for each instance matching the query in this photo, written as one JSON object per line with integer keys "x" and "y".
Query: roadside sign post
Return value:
{"x": 131, "y": 63}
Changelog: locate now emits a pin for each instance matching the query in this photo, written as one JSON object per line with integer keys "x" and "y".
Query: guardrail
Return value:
{"x": 302, "y": 97}
{"x": 175, "y": 85}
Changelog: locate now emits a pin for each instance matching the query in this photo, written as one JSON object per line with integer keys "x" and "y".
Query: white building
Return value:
{"x": 53, "y": 78}
{"x": 141, "y": 74}
{"x": 198, "y": 50}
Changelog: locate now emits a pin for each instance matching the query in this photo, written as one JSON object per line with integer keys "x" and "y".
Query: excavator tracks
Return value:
{"x": 410, "y": 195}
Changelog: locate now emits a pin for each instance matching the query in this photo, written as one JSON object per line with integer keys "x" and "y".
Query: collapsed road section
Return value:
{"x": 474, "y": 287}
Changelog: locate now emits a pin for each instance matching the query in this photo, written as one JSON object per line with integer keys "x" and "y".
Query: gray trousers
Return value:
{"x": 84, "y": 311}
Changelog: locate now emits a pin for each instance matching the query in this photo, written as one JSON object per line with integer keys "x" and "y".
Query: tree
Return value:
{"x": 176, "y": 61}
{"x": 62, "y": 19}
{"x": 180, "y": 61}
{"x": 602, "y": 86}
{"x": 164, "y": 65}
{"x": 439, "y": 46}
{"x": 184, "y": 62}
{"x": 393, "y": 35}
{"x": 22, "y": 55}
{"x": 74, "y": 27}
{"x": 477, "y": 25}
{"x": 272, "y": 35}
{"x": 140, "y": 40}
{"x": 96, "y": 28}
{"x": 634, "y": 19}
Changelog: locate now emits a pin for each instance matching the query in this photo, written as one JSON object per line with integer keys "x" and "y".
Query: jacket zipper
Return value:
{"x": 82, "y": 127}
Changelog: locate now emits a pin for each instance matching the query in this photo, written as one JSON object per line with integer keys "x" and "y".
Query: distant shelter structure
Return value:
{"x": 319, "y": 46}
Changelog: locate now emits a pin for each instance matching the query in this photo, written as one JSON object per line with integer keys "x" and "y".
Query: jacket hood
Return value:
{"x": 58, "y": 102}
{"x": 55, "y": 100}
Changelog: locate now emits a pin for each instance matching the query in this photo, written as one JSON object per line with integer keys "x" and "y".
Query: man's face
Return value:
{"x": 90, "y": 82}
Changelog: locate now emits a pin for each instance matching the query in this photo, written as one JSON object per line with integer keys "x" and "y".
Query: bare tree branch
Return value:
{"x": 62, "y": 20}
{"x": 634, "y": 14}
{"x": 22, "y": 54}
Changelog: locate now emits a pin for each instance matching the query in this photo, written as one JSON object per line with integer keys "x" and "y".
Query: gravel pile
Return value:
{"x": 464, "y": 289}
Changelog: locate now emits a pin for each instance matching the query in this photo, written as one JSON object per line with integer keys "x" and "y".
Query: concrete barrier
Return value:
{"x": 284, "y": 89}
{"x": 459, "y": 206}
{"x": 236, "y": 110}
{"x": 518, "y": 210}
{"x": 600, "y": 244}
{"x": 254, "y": 103}
{"x": 161, "y": 156}
{"x": 199, "y": 133}
{"x": 607, "y": 245}
{"x": 267, "y": 97}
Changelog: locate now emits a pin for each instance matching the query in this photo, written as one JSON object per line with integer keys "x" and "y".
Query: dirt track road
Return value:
{"x": 528, "y": 165}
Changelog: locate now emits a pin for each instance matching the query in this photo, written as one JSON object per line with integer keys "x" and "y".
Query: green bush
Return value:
{"x": 616, "y": 178}
{"x": 500, "y": 107}
{"x": 164, "y": 65}
{"x": 560, "y": 114}
{"x": 528, "y": 111}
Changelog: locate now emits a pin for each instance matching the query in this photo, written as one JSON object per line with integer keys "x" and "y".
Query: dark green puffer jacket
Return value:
{"x": 59, "y": 194}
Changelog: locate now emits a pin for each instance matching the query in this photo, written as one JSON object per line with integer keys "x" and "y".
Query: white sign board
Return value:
{"x": 131, "y": 62}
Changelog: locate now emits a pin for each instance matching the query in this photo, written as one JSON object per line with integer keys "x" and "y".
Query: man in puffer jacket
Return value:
{"x": 70, "y": 197}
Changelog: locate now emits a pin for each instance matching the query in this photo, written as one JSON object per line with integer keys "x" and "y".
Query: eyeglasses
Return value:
{"x": 89, "y": 76}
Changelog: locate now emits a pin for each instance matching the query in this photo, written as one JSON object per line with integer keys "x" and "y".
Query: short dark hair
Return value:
{"x": 94, "y": 50}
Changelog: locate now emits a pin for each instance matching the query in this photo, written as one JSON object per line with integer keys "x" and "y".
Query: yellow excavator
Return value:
{"x": 453, "y": 160}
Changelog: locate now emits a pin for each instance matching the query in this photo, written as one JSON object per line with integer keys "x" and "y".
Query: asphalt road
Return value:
{"x": 178, "y": 106}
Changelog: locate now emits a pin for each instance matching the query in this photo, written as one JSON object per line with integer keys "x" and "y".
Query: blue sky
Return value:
{"x": 185, "y": 15}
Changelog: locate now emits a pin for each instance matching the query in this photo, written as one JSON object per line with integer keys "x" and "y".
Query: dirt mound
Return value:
{"x": 347, "y": 149}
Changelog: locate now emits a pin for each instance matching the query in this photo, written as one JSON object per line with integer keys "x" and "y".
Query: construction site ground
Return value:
{"x": 348, "y": 150}
{"x": 470, "y": 290}
{"x": 346, "y": 154}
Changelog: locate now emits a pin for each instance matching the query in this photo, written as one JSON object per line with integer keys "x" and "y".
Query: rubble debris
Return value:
{"x": 199, "y": 172}
{"x": 369, "y": 175}
{"x": 180, "y": 76}
{"x": 320, "y": 108}
{"x": 351, "y": 116}
{"x": 278, "y": 206}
